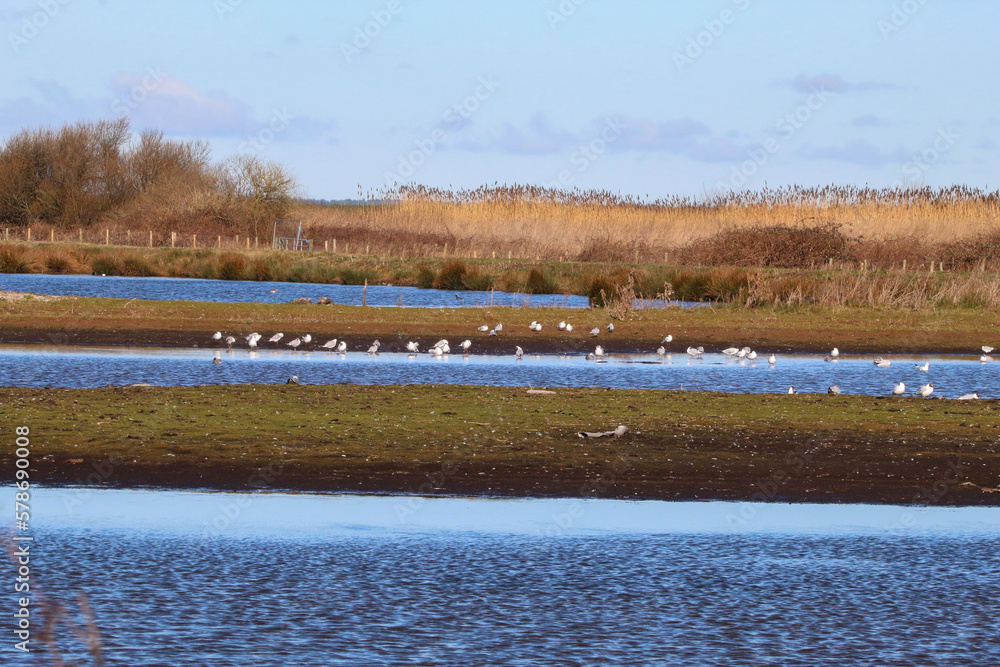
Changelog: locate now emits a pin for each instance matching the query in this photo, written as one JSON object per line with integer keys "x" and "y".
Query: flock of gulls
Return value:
{"x": 443, "y": 348}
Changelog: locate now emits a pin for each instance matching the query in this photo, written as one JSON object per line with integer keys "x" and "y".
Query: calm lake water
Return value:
{"x": 275, "y": 579}
{"x": 77, "y": 366}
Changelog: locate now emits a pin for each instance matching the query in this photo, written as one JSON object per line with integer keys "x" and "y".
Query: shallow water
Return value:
{"x": 77, "y": 366}
{"x": 345, "y": 581}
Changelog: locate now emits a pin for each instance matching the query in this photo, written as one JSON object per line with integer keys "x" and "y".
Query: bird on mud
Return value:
{"x": 925, "y": 390}
{"x": 536, "y": 326}
{"x": 229, "y": 342}
{"x": 276, "y": 337}
{"x": 561, "y": 326}
{"x": 925, "y": 367}
{"x": 307, "y": 339}
{"x": 595, "y": 331}
{"x": 881, "y": 363}
{"x": 569, "y": 328}
{"x": 294, "y": 343}
{"x": 493, "y": 332}
{"x": 968, "y": 397}
{"x": 834, "y": 390}
{"x": 772, "y": 360}
{"x": 898, "y": 389}
{"x": 342, "y": 347}
{"x": 610, "y": 327}
{"x": 498, "y": 328}
{"x": 330, "y": 344}
{"x": 696, "y": 351}
{"x": 484, "y": 328}
{"x": 518, "y": 352}
{"x": 252, "y": 343}
{"x": 669, "y": 338}
{"x": 217, "y": 335}
{"x": 412, "y": 347}
{"x": 253, "y": 338}
{"x": 466, "y": 344}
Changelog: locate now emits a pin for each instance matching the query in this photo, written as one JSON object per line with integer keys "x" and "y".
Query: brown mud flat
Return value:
{"x": 503, "y": 442}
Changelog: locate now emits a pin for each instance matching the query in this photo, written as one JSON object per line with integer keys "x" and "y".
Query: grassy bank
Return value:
{"x": 838, "y": 284}
{"x": 76, "y": 320}
{"x": 505, "y": 441}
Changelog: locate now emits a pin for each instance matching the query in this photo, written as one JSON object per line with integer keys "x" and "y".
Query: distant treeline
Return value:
{"x": 93, "y": 172}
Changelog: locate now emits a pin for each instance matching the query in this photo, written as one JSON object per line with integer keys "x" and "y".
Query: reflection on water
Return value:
{"x": 72, "y": 366}
{"x": 475, "y": 582}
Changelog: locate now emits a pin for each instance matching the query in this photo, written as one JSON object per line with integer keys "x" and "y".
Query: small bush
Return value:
{"x": 477, "y": 281}
{"x": 135, "y": 267}
{"x": 539, "y": 283}
{"x": 425, "y": 277}
{"x": 352, "y": 276}
{"x": 57, "y": 264}
{"x": 232, "y": 267}
{"x": 598, "y": 290}
{"x": 260, "y": 271}
{"x": 104, "y": 265}
{"x": 450, "y": 276}
{"x": 13, "y": 261}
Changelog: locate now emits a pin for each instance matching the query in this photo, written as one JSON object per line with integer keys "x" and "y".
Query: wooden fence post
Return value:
{"x": 248, "y": 243}
{"x": 29, "y": 233}
{"x": 107, "y": 236}
{"x": 128, "y": 237}
{"x": 173, "y": 237}
{"x": 335, "y": 245}
{"x": 904, "y": 266}
{"x": 194, "y": 240}
{"x": 52, "y": 236}
{"x": 81, "y": 235}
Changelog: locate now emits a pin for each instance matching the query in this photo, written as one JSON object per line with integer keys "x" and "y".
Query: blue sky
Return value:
{"x": 644, "y": 98}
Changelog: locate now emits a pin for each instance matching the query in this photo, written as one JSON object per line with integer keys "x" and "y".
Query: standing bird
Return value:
{"x": 926, "y": 390}
{"x": 595, "y": 331}
{"x": 986, "y": 349}
{"x": 730, "y": 351}
{"x": 660, "y": 351}
{"x": 229, "y": 342}
{"x": 441, "y": 344}
{"x": 569, "y": 328}
{"x": 253, "y": 336}
{"x": 881, "y": 363}
{"x": 834, "y": 389}
{"x": 791, "y": 390}
{"x": 925, "y": 367}
{"x": 342, "y": 347}
{"x": 599, "y": 352}
{"x": 307, "y": 339}
{"x": 435, "y": 352}
{"x": 252, "y": 343}
{"x": 518, "y": 352}
{"x": 536, "y": 326}
{"x": 752, "y": 355}
{"x": 330, "y": 344}
{"x": 483, "y": 328}
{"x": 294, "y": 343}
{"x": 772, "y": 360}
{"x": 611, "y": 326}
{"x": 532, "y": 325}
{"x": 275, "y": 338}
{"x": 498, "y": 328}
{"x": 493, "y": 332}
{"x": 374, "y": 348}
{"x": 834, "y": 352}
{"x": 217, "y": 335}
{"x": 667, "y": 339}
{"x": 898, "y": 389}
{"x": 561, "y": 326}
{"x": 696, "y": 351}
{"x": 466, "y": 344}
{"x": 412, "y": 347}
